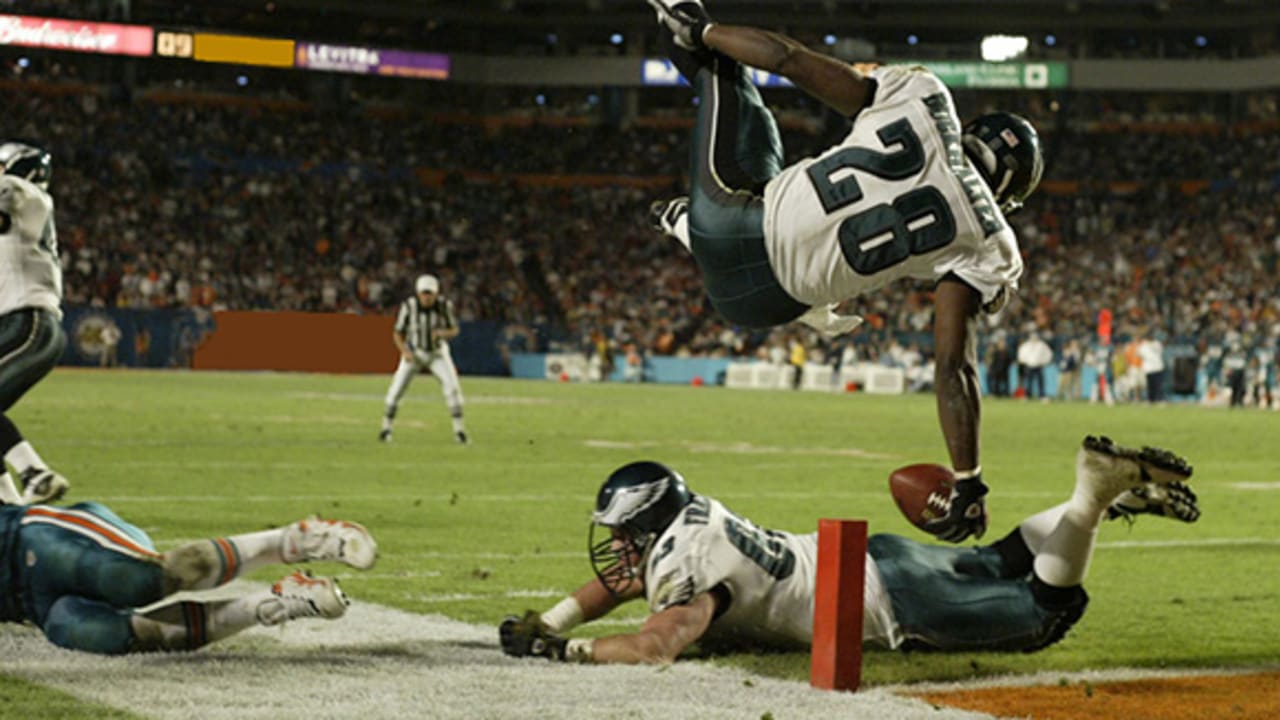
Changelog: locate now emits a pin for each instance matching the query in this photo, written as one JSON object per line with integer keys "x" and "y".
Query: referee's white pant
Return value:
{"x": 439, "y": 364}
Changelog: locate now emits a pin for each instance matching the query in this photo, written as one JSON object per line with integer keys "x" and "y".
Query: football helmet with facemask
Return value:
{"x": 1005, "y": 148}
{"x": 635, "y": 505}
{"x": 28, "y": 162}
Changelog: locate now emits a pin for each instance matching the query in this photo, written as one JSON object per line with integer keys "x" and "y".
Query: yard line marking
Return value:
{"x": 738, "y": 448}
{"x": 1255, "y": 485}
{"x": 475, "y": 399}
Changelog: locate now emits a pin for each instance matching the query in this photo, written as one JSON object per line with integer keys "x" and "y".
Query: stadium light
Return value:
{"x": 998, "y": 48}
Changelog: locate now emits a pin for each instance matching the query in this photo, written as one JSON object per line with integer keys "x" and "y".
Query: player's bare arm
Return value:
{"x": 835, "y": 83}
{"x": 662, "y": 637}
{"x": 956, "y": 308}
{"x": 595, "y": 601}
{"x": 447, "y": 333}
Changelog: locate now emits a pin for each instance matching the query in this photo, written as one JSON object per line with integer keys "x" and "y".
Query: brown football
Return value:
{"x": 921, "y": 491}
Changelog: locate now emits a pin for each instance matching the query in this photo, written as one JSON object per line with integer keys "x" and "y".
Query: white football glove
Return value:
{"x": 825, "y": 320}
{"x": 686, "y": 19}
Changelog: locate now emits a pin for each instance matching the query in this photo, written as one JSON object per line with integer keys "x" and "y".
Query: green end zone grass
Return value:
{"x": 479, "y": 532}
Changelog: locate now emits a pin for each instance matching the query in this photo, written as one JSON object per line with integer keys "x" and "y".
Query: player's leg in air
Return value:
{"x": 1033, "y": 590}
{"x": 85, "y": 595}
{"x": 443, "y": 368}
{"x": 399, "y": 385}
{"x": 736, "y": 150}
{"x": 31, "y": 341}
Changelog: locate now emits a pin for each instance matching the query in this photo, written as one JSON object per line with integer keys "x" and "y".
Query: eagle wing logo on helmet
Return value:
{"x": 630, "y": 502}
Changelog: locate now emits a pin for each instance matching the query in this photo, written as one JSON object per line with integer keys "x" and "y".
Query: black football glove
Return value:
{"x": 686, "y": 19}
{"x": 965, "y": 514}
{"x": 529, "y": 636}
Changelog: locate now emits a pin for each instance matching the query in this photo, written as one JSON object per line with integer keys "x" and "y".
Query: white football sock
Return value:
{"x": 9, "y": 494}
{"x": 209, "y": 563}
{"x": 1063, "y": 560}
{"x": 23, "y": 456}
{"x": 1037, "y": 527}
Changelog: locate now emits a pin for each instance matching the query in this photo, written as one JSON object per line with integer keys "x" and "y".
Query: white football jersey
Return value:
{"x": 897, "y": 198}
{"x": 30, "y": 272}
{"x": 769, "y": 576}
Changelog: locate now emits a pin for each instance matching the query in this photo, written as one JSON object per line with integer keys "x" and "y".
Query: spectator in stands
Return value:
{"x": 1034, "y": 355}
{"x": 1069, "y": 363}
{"x": 797, "y": 355}
{"x": 1235, "y": 361}
{"x": 999, "y": 361}
{"x": 1151, "y": 356}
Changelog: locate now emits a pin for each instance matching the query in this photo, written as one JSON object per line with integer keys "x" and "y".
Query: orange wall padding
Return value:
{"x": 298, "y": 341}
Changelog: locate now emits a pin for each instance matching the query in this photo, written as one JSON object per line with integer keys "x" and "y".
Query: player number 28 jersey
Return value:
{"x": 897, "y": 198}
{"x": 30, "y": 272}
{"x": 769, "y": 576}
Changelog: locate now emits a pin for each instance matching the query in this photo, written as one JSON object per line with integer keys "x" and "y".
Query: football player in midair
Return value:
{"x": 424, "y": 326}
{"x": 714, "y": 577}
{"x": 908, "y": 193}
{"x": 31, "y": 335}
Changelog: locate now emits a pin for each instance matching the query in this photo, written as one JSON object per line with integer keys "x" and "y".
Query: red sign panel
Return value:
{"x": 75, "y": 35}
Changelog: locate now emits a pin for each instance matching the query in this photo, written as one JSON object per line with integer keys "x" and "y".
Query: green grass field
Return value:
{"x": 479, "y": 532}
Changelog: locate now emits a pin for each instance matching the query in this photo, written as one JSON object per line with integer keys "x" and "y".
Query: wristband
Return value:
{"x": 702, "y": 34}
{"x": 565, "y": 616}
{"x": 582, "y": 651}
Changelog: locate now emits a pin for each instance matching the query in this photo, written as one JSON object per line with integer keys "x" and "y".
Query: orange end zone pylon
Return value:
{"x": 836, "y": 659}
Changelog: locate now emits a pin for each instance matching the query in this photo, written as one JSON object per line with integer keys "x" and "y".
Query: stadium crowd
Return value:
{"x": 169, "y": 200}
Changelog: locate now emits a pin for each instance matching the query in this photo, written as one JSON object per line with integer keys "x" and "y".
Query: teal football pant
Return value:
{"x": 31, "y": 341}
{"x": 960, "y": 599}
{"x": 82, "y": 572}
{"x": 736, "y": 151}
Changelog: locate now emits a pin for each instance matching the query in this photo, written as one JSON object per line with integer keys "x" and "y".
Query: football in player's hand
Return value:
{"x": 921, "y": 491}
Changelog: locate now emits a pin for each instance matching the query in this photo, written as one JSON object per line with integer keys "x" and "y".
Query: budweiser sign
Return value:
{"x": 75, "y": 35}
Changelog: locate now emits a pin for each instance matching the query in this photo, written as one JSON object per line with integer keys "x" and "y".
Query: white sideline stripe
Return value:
{"x": 476, "y": 399}
{"x": 1205, "y": 542}
{"x": 740, "y": 448}
{"x": 378, "y": 662}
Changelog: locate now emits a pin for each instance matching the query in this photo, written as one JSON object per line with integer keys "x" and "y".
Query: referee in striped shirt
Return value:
{"x": 424, "y": 326}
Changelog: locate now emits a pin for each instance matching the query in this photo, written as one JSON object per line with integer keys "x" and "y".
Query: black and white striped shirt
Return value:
{"x": 418, "y": 323}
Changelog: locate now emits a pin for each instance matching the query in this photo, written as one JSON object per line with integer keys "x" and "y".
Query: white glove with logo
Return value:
{"x": 686, "y": 19}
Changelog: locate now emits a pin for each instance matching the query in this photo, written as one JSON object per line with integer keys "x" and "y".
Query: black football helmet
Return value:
{"x": 634, "y": 507}
{"x": 27, "y": 162}
{"x": 1006, "y": 150}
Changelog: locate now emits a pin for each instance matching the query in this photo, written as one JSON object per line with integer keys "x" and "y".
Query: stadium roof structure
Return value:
{"x": 825, "y": 15}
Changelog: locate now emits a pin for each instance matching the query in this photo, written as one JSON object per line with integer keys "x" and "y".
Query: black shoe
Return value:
{"x": 42, "y": 485}
{"x": 385, "y": 435}
{"x": 462, "y": 438}
{"x": 663, "y": 214}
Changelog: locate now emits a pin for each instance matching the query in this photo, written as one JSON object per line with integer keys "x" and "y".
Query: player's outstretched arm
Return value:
{"x": 663, "y": 636}
{"x": 959, "y": 396}
{"x": 837, "y": 84}
{"x": 959, "y": 399}
{"x": 541, "y": 634}
{"x": 661, "y": 639}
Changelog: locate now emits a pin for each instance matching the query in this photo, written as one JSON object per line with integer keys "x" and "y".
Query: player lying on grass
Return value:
{"x": 81, "y": 574}
{"x": 713, "y": 577}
